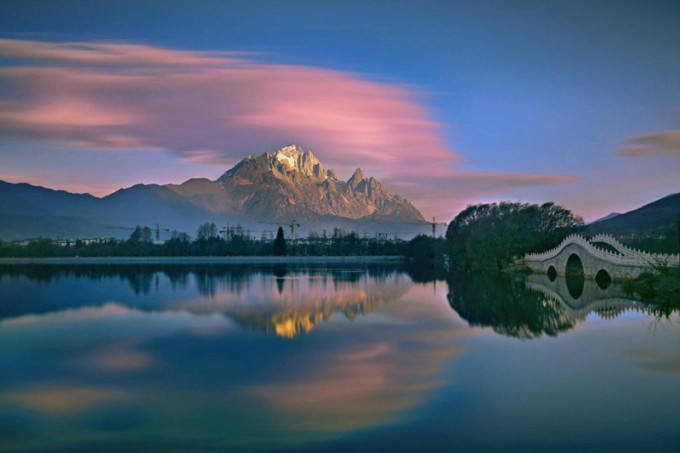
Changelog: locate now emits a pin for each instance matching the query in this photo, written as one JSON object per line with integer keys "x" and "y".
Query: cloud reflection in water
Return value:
{"x": 182, "y": 373}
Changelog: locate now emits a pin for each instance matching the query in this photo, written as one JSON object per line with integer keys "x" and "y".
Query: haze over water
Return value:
{"x": 206, "y": 358}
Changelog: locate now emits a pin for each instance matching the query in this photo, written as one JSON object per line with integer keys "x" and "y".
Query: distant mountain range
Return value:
{"x": 650, "y": 219}
{"x": 287, "y": 185}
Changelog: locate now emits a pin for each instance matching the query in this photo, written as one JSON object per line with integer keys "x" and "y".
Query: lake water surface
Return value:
{"x": 335, "y": 357}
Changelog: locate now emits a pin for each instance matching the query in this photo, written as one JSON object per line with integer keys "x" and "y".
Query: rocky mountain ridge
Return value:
{"x": 292, "y": 183}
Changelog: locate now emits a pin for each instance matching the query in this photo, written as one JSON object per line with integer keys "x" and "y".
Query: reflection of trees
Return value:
{"x": 304, "y": 294}
{"x": 209, "y": 277}
{"x": 35, "y": 272}
{"x": 280, "y": 272}
{"x": 506, "y": 305}
{"x": 139, "y": 277}
{"x": 425, "y": 273}
{"x": 659, "y": 290}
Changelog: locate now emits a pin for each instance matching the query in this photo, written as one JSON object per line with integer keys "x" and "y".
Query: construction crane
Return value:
{"x": 226, "y": 231}
{"x": 434, "y": 225}
{"x": 292, "y": 226}
{"x": 229, "y": 232}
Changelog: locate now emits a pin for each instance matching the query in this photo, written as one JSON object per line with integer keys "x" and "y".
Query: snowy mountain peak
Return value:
{"x": 286, "y": 158}
{"x": 295, "y": 158}
{"x": 289, "y": 154}
{"x": 291, "y": 150}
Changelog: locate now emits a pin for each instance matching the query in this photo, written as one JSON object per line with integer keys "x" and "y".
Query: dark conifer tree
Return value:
{"x": 279, "y": 248}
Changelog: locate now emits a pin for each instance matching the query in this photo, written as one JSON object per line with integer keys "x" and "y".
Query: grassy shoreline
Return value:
{"x": 204, "y": 260}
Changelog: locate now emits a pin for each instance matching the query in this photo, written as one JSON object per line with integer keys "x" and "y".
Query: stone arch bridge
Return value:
{"x": 617, "y": 261}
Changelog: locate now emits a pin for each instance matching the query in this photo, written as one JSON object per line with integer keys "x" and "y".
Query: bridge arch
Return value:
{"x": 574, "y": 265}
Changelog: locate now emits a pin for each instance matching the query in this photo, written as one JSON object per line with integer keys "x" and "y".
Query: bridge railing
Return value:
{"x": 625, "y": 256}
{"x": 613, "y": 242}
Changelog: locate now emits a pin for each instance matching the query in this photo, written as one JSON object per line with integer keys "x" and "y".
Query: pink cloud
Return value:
{"x": 661, "y": 142}
{"x": 216, "y": 107}
{"x": 181, "y": 101}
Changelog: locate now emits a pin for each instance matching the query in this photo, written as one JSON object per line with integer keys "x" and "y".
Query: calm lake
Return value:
{"x": 329, "y": 357}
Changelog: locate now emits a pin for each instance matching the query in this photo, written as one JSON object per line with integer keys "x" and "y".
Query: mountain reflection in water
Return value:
{"x": 225, "y": 358}
{"x": 295, "y": 301}
{"x": 98, "y": 363}
{"x": 284, "y": 300}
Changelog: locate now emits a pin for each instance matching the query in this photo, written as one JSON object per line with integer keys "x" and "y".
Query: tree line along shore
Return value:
{"x": 482, "y": 237}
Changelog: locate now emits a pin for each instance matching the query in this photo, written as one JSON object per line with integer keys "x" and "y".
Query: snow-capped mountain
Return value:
{"x": 277, "y": 187}
{"x": 292, "y": 183}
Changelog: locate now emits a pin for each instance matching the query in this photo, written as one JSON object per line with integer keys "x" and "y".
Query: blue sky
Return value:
{"x": 575, "y": 102}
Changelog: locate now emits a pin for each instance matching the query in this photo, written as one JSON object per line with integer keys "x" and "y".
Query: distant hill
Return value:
{"x": 611, "y": 215}
{"x": 650, "y": 219}
{"x": 28, "y": 211}
{"x": 273, "y": 188}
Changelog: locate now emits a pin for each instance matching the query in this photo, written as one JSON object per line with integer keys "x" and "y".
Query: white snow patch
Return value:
{"x": 286, "y": 159}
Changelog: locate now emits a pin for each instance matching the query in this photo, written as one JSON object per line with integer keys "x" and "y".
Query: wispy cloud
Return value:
{"x": 125, "y": 96}
{"x": 216, "y": 107}
{"x": 661, "y": 142}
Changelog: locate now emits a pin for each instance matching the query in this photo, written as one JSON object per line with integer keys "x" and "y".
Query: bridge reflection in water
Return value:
{"x": 580, "y": 296}
{"x": 535, "y": 305}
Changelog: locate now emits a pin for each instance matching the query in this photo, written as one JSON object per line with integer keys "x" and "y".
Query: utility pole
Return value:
{"x": 292, "y": 226}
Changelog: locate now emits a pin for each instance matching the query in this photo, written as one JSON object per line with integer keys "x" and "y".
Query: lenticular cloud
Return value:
{"x": 113, "y": 95}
